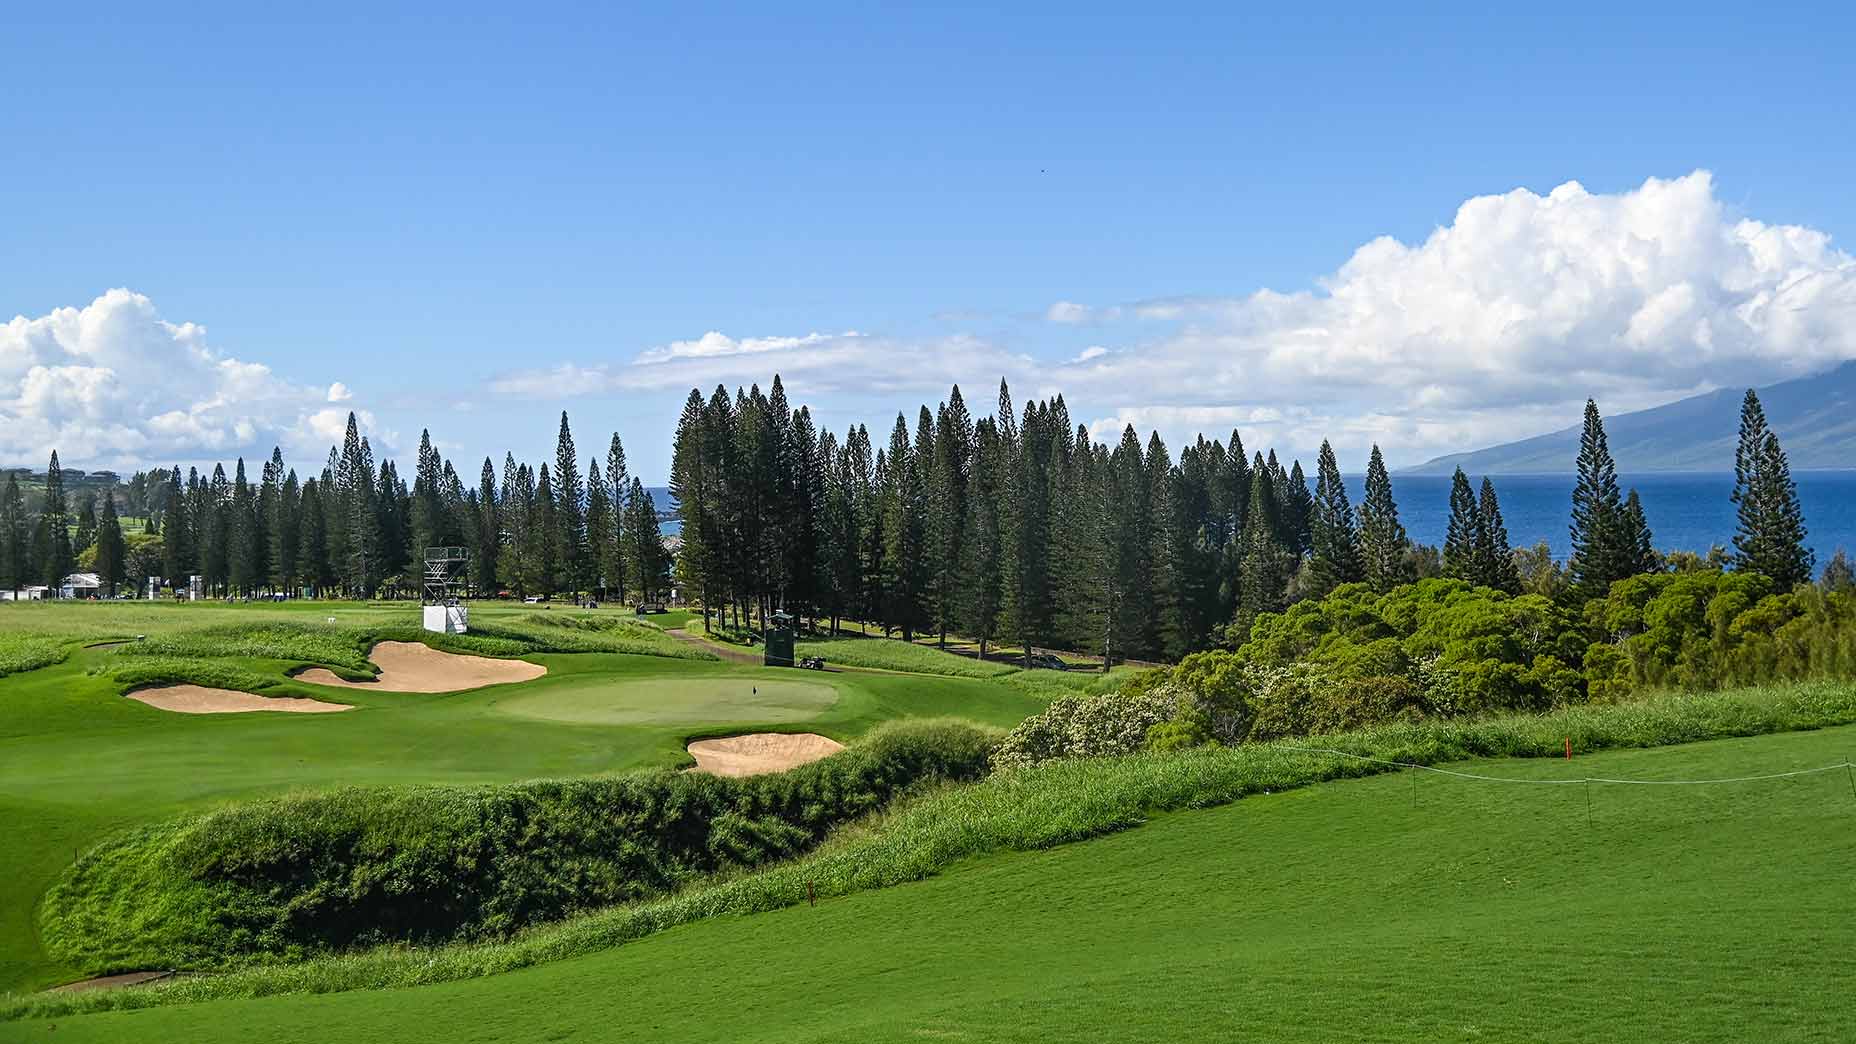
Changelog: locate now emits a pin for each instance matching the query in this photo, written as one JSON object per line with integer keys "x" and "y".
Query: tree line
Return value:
{"x": 357, "y": 529}
{"x": 1020, "y": 527}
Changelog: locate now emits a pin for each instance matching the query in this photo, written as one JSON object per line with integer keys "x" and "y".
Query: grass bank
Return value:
{"x": 890, "y": 654}
{"x": 1041, "y": 807}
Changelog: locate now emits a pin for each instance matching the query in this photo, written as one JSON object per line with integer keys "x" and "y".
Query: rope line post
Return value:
{"x": 1851, "y": 773}
{"x": 1588, "y": 804}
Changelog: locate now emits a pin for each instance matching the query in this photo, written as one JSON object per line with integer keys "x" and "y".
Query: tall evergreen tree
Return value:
{"x": 1336, "y": 556}
{"x": 1604, "y": 550}
{"x": 51, "y": 550}
{"x": 86, "y": 534}
{"x": 983, "y": 545}
{"x": 242, "y": 566}
{"x": 570, "y": 513}
{"x": 598, "y": 527}
{"x": 650, "y": 562}
{"x": 546, "y": 534}
{"x": 615, "y": 553}
{"x": 314, "y": 563}
{"x": 1494, "y": 556}
{"x": 15, "y": 568}
{"x": 1464, "y": 534}
{"x": 1771, "y": 534}
{"x": 1643, "y": 556}
{"x": 177, "y": 538}
{"x": 1384, "y": 546}
{"x": 1265, "y": 570}
{"x": 112, "y": 550}
{"x": 948, "y": 506}
{"x": 905, "y": 553}
{"x": 489, "y": 529}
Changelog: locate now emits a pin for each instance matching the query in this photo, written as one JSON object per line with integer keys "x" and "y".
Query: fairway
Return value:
{"x": 1375, "y": 909}
{"x": 674, "y": 701}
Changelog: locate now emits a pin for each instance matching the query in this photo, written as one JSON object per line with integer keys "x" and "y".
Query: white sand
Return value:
{"x": 415, "y": 667}
{"x": 759, "y": 752}
{"x": 198, "y": 699}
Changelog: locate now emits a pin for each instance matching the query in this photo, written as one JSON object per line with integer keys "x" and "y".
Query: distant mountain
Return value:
{"x": 1815, "y": 418}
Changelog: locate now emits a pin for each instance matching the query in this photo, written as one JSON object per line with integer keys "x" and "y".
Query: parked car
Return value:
{"x": 1047, "y": 662}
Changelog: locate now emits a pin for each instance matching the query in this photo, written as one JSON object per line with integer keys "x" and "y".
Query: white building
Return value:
{"x": 34, "y": 593}
{"x": 81, "y": 585}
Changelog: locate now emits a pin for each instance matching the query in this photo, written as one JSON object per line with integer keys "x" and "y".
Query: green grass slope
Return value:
{"x": 890, "y": 654}
{"x": 1375, "y": 909}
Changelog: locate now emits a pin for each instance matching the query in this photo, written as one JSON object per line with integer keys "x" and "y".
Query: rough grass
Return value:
{"x": 297, "y": 876}
{"x": 1050, "y": 804}
{"x": 29, "y": 652}
{"x": 891, "y": 655}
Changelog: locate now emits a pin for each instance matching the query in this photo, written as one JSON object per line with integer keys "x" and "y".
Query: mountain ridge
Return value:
{"x": 1814, "y": 416}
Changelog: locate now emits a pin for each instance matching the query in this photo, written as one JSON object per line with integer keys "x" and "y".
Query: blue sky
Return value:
{"x": 475, "y": 216}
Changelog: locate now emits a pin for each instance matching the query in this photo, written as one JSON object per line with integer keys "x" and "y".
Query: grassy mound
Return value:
{"x": 290, "y": 877}
{"x": 891, "y": 655}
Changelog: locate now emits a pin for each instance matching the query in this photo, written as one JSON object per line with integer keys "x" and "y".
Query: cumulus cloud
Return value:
{"x": 1499, "y": 324}
{"x": 114, "y": 384}
{"x": 338, "y": 392}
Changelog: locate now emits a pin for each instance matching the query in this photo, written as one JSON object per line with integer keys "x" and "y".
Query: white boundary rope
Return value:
{"x": 1841, "y": 766}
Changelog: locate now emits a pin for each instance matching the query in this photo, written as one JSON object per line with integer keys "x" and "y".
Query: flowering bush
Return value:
{"x": 1086, "y": 727}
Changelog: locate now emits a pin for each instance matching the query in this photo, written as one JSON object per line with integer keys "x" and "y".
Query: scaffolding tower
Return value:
{"x": 447, "y": 569}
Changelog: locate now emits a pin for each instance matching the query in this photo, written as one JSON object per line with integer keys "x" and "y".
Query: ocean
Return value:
{"x": 1687, "y": 511}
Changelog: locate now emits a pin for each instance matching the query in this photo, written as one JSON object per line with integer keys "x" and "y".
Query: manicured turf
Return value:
{"x": 1377, "y": 909}
{"x": 725, "y": 696}
{"x": 78, "y": 762}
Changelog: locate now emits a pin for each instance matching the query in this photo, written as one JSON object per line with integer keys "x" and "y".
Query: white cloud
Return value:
{"x": 113, "y": 384}
{"x": 1067, "y": 312}
{"x": 1094, "y": 351}
{"x": 1499, "y": 324}
{"x": 338, "y": 392}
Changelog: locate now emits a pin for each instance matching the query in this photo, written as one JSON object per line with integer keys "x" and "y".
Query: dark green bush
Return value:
{"x": 293, "y": 876}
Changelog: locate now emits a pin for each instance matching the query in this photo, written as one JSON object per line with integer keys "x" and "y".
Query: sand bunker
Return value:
{"x": 414, "y": 667}
{"x": 198, "y": 699}
{"x": 759, "y": 752}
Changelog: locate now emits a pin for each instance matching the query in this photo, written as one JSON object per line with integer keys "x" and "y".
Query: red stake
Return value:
{"x": 1569, "y": 748}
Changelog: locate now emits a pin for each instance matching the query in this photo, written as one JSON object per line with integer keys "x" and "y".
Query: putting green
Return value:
{"x": 673, "y": 701}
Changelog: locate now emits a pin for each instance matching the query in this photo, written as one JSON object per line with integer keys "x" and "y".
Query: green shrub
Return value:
{"x": 1107, "y": 725}
{"x": 289, "y": 877}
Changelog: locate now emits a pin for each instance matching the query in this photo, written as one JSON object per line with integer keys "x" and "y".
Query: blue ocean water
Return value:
{"x": 1687, "y": 511}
